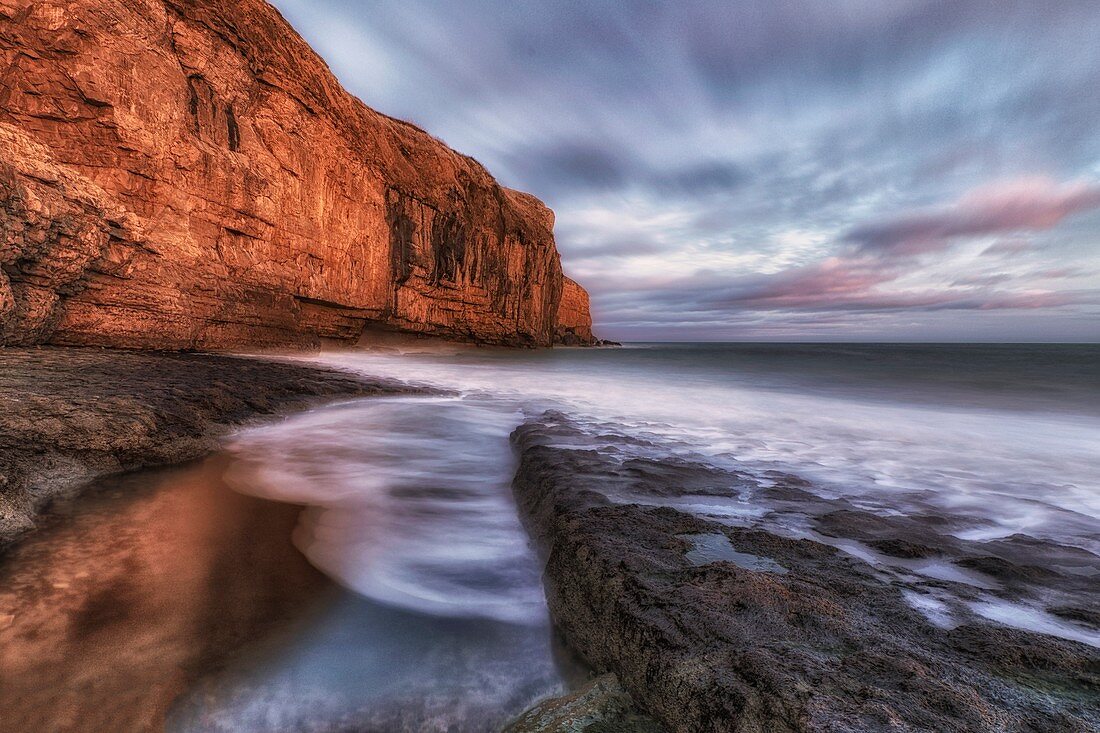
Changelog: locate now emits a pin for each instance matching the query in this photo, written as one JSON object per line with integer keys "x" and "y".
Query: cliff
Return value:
{"x": 189, "y": 174}
{"x": 573, "y": 326}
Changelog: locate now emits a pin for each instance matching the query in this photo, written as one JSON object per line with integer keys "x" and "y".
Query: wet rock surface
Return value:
{"x": 189, "y": 174}
{"x": 601, "y": 706}
{"x": 68, "y": 415}
{"x": 128, "y": 595}
{"x": 831, "y": 643}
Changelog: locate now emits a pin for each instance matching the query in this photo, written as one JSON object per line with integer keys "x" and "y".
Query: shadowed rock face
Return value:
{"x": 189, "y": 174}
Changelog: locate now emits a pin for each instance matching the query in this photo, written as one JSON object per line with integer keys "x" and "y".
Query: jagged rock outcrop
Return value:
{"x": 189, "y": 174}
{"x": 574, "y": 320}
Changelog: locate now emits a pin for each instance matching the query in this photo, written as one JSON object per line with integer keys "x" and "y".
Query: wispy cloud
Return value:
{"x": 839, "y": 286}
{"x": 771, "y": 168}
{"x": 1025, "y": 204}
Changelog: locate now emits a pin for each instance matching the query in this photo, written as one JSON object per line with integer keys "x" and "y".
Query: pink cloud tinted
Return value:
{"x": 1023, "y": 204}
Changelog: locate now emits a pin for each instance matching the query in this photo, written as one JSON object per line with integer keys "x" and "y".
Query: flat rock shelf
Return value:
{"x": 68, "y": 415}
{"x": 714, "y": 627}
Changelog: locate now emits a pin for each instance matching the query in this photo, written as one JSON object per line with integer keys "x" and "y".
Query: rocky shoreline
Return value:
{"x": 693, "y": 624}
{"x": 68, "y": 415}
{"x": 716, "y": 627}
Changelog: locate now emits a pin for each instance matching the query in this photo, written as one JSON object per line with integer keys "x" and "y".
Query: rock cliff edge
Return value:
{"x": 189, "y": 174}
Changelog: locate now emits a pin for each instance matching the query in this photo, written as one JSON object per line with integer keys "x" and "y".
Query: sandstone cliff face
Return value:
{"x": 189, "y": 174}
{"x": 574, "y": 321}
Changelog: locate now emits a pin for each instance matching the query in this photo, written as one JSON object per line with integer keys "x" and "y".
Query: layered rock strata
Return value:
{"x": 188, "y": 174}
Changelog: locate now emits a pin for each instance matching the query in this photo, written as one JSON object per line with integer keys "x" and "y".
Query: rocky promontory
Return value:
{"x": 574, "y": 321}
{"x": 188, "y": 174}
{"x": 69, "y": 415}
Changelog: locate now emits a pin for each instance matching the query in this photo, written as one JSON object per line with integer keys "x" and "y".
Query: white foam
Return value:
{"x": 1006, "y": 471}
{"x": 1023, "y": 471}
{"x": 1028, "y": 618}
{"x": 410, "y": 502}
{"x": 935, "y": 610}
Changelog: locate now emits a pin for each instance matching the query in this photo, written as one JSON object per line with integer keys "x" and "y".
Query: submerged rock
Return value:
{"x": 766, "y": 632}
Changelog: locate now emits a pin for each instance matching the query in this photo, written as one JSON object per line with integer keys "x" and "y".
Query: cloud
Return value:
{"x": 580, "y": 166}
{"x": 714, "y": 176}
{"x": 981, "y": 279}
{"x": 840, "y": 285}
{"x": 836, "y": 280}
{"x": 677, "y": 138}
{"x": 1011, "y": 246}
{"x": 1061, "y": 273}
{"x": 1025, "y": 204}
{"x": 616, "y": 247}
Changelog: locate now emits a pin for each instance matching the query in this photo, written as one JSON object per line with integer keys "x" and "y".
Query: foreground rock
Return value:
{"x": 601, "y": 706}
{"x": 713, "y": 627}
{"x": 189, "y": 174}
{"x": 67, "y": 415}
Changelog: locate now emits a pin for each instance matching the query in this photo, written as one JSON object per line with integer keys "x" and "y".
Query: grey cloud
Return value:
{"x": 701, "y": 178}
{"x": 577, "y": 167}
{"x": 725, "y": 126}
{"x": 841, "y": 285}
{"x": 1013, "y": 246}
{"x": 1027, "y": 205}
{"x": 582, "y": 165}
{"x": 617, "y": 247}
{"x": 973, "y": 280}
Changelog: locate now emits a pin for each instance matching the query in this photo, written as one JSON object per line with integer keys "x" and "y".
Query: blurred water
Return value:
{"x": 409, "y": 498}
{"x": 409, "y": 506}
{"x": 1008, "y": 433}
{"x": 436, "y": 620}
{"x": 409, "y": 502}
{"x": 163, "y": 600}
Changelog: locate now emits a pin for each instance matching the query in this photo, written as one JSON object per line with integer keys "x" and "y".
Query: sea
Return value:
{"x": 436, "y": 619}
{"x": 409, "y": 501}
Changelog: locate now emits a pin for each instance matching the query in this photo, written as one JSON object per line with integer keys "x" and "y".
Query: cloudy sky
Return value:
{"x": 772, "y": 170}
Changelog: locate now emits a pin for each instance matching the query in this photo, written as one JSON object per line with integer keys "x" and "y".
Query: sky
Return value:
{"x": 908, "y": 170}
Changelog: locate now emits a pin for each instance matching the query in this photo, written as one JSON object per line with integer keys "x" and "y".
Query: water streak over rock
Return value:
{"x": 768, "y": 632}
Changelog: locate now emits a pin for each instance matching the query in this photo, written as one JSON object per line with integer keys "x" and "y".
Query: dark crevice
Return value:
{"x": 193, "y": 101}
{"x": 233, "y": 131}
{"x": 402, "y": 231}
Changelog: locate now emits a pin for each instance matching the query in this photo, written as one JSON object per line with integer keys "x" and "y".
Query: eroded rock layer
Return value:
{"x": 189, "y": 174}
